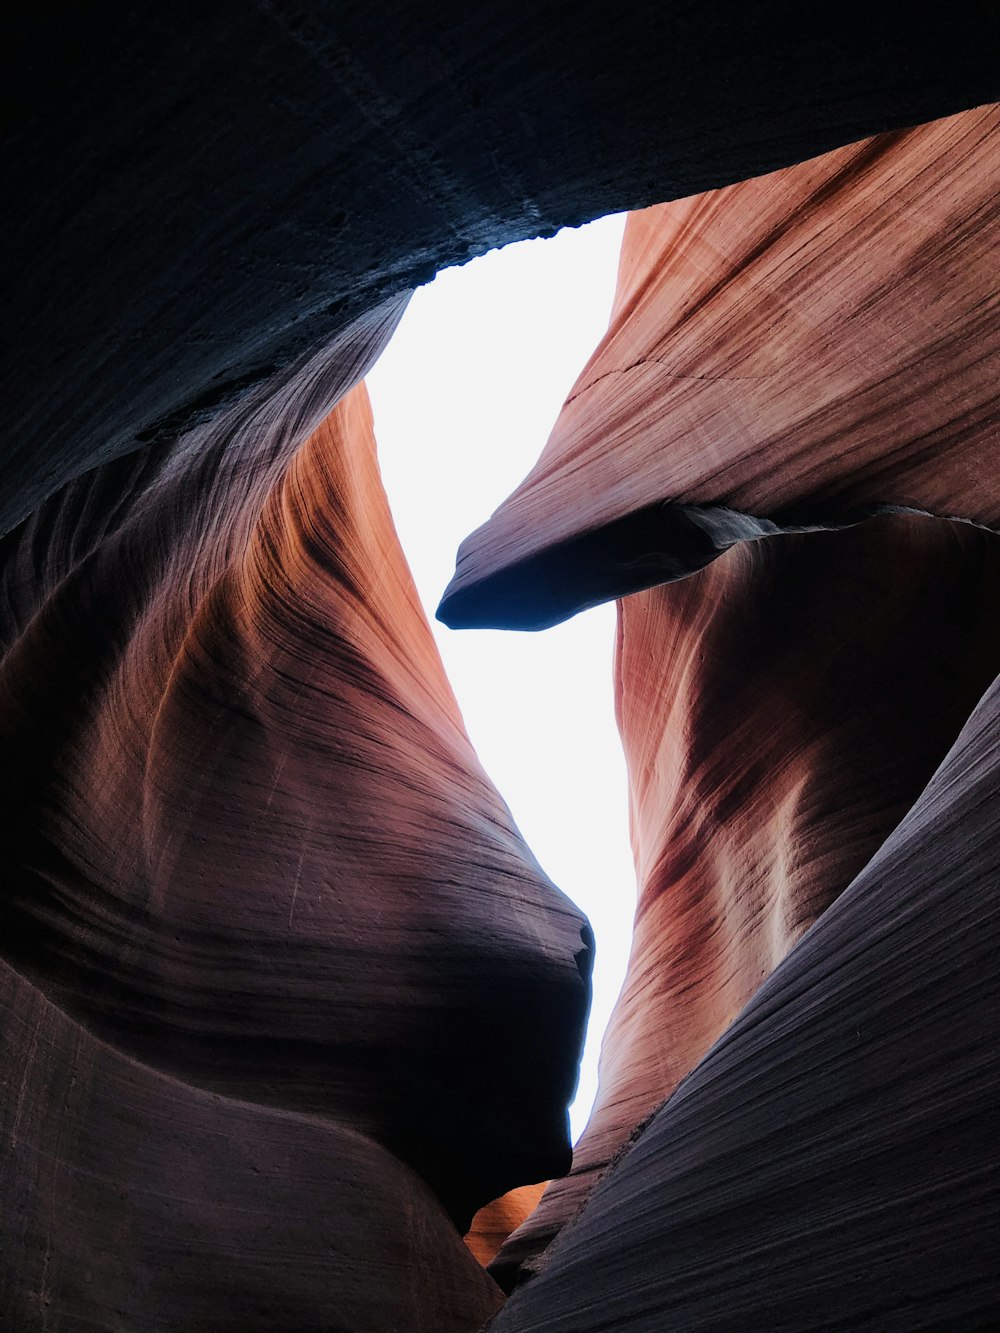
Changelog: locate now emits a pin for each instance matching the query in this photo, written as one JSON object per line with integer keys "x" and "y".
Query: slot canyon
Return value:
{"x": 292, "y": 1014}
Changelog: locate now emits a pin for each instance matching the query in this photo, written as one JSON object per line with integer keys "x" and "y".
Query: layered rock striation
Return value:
{"x": 775, "y": 371}
{"x": 258, "y": 894}
{"x": 794, "y": 352}
{"x": 202, "y": 196}
{"x": 832, "y": 1162}
{"x": 285, "y": 998}
{"x": 780, "y": 712}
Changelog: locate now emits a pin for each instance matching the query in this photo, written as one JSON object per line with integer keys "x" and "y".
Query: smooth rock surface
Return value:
{"x": 135, "y": 1201}
{"x": 780, "y": 712}
{"x": 796, "y": 351}
{"x": 493, "y": 1224}
{"x": 254, "y": 867}
{"x": 232, "y": 778}
{"x": 831, "y": 1164}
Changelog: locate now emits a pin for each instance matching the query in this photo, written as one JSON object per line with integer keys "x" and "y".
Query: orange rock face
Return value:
{"x": 493, "y": 1224}
{"x": 283, "y": 998}
{"x": 260, "y": 893}
{"x": 798, "y": 350}
{"x": 772, "y": 366}
{"x": 780, "y": 712}
{"x": 835, "y": 1151}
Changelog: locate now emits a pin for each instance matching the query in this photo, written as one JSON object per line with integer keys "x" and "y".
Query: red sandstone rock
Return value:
{"x": 773, "y": 364}
{"x": 493, "y": 1224}
{"x": 267, "y": 893}
{"x": 780, "y": 712}
{"x": 201, "y": 198}
{"x": 202, "y": 195}
{"x": 797, "y": 350}
{"x": 832, "y": 1162}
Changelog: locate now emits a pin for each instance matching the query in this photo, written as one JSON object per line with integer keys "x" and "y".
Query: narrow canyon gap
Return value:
{"x": 453, "y": 436}
{"x": 273, "y": 954}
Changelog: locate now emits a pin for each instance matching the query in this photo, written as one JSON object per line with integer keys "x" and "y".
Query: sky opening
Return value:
{"x": 464, "y": 398}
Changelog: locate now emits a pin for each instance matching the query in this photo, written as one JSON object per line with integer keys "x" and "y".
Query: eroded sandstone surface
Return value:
{"x": 780, "y": 711}
{"x": 797, "y": 351}
{"x": 775, "y": 372}
{"x": 832, "y": 1161}
{"x": 259, "y": 892}
{"x": 285, "y": 997}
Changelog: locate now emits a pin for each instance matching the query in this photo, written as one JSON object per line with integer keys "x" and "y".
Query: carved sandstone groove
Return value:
{"x": 203, "y": 198}
{"x": 260, "y": 890}
{"x": 795, "y": 351}
{"x": 832, "y": 1162}
{"x": 780, "y": 713}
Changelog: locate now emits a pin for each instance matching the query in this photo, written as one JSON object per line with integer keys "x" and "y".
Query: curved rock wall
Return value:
{"x": 492, "y": 1225}
{"x": 780, "y": 713}
{"x": 795, "y": 351}
{"x": 133, "y": 1200}
{"x": 258, "y": 882}
{"x": 204, "y": 194}
{"x": 772, "y": 364}
{"x": 273, "y": 956}
{"x": 832, "y": 1162}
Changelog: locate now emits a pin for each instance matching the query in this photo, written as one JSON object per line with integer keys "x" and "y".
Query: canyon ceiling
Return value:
{"x": 287, "y": 999}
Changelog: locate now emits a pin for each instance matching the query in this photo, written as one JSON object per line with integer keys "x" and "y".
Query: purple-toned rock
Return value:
{"x": 276, "y": 953}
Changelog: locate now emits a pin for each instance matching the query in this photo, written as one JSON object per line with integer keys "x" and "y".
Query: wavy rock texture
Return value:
{"x": 227, "y": 1048}
{"x": 207, "y": 193}
{"x": 493, "y": 1224}
{"x": 265, "y": 889}
{"x": 780, "y": 712}
{"x": 832, "y": 1162}
{"x": 135, "y": 1201}
{"x": 771, "y": 361}
{"x": 797, "y": 350}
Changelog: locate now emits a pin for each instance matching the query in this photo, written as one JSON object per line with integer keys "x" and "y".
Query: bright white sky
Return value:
{"x": 464, "y": 398}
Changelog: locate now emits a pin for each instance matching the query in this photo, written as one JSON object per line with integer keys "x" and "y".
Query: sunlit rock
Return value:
{"x": 282, "y": 988}
{"x": 493, "y": 1224}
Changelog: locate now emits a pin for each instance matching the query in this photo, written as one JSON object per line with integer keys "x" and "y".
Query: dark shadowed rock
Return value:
{"x": 134, "y": 1201}
{"x": 794, "y": 352}
{"x": 780, "y": 713}
{"x": 285, "y": 997}
{"x": 832, "y": 1162}
{"x": 253, "y": 865}
{"x": 201, "y": 195}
